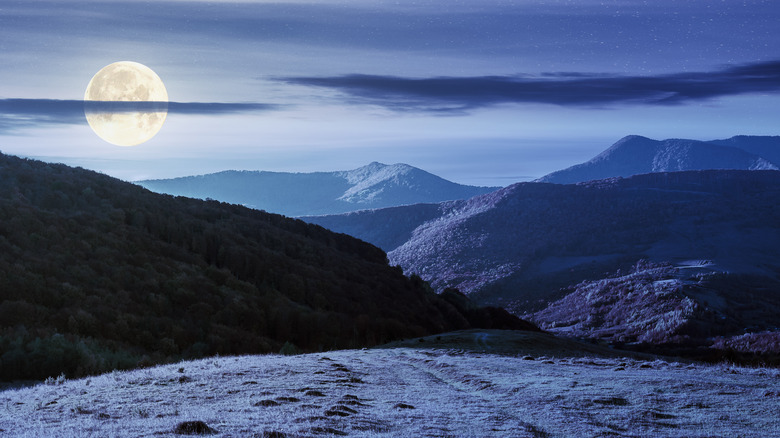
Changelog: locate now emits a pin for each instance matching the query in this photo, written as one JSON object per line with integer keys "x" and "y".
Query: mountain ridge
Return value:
{"x": 529, "y": 245}
{"x": 375, "y": 185}
{"x": 634, "y": 155}
{"x": 531, "y": 206}
{"x": 520, "y": 200}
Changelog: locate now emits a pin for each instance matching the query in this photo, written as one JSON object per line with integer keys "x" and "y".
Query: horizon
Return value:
{"x": 487, "y": 94}
{"x": 496, "y": 180}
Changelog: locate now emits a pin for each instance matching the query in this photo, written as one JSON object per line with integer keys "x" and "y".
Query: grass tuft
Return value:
{"x": 194, "y": 428}
{"x": 611, "y": 401}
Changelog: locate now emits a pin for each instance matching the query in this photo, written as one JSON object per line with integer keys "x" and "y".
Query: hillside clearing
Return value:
{"x": 404, "y": 392}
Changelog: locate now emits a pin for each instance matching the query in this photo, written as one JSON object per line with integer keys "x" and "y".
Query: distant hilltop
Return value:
{"x": 634, "y": 155}
{"x": 376, "y": 185}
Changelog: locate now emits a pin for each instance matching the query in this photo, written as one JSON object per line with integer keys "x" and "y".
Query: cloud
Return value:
{"x": 17, "y": 113}
{"x": 447, "y": 94}
{"x": 216, "y": 108}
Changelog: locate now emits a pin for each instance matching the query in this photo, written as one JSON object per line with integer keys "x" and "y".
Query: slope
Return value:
{"x": 658, "y": 304}
{"x": 554, "y": 254}
{"x": 524, "y": 242}
{"x": 387, "y": 228}
{"x": 405, "y": 392}
{"x": 763, "y": 146}
{"x": 557, "y": 235}
{"x": 98, "y": 274}
{"x": 301, "y": 194}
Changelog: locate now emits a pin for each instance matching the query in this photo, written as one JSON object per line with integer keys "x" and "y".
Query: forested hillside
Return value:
{"x": 98, "y": 274}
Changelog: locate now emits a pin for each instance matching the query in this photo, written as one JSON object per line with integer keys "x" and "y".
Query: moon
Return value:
{"x": 126, "y": 125}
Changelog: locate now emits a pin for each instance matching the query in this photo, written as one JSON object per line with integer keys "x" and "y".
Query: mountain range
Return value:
{"x": 97, "y": 274}
{"x": 320, "y": 193}
{"x": 634, "y": 155}
{"x": 671, "y": 216}
{"x": 528, "y": 245}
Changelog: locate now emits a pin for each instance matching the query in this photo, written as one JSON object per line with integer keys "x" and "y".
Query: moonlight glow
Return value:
{"x": 126, "y": 81}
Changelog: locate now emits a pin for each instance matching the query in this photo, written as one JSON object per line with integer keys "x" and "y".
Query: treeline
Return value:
{"x": 98, "y": 274}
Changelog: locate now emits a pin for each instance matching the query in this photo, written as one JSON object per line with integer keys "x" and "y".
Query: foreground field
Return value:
{"x": 406, "y": 392}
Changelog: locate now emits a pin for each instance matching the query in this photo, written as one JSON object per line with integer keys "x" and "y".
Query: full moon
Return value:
{"x": 126, "y": 81}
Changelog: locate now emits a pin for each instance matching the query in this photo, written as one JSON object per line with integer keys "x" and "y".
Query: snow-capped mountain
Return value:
{"x": 376, "y": 185}
{"x": 634, "y": 155}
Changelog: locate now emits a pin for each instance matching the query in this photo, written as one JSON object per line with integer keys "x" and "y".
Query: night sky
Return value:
{"x": 482, "y": 92}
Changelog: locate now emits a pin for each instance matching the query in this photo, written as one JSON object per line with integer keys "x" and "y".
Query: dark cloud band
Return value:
{"x": 565, "y": 89}
{"x": 15, "y": 112}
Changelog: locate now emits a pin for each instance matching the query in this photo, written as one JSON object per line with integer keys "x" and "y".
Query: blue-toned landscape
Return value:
{"x": 389, "y": 219}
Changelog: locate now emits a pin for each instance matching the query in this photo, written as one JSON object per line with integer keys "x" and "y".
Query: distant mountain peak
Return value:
{"x": 627, "y": 144}
{"x": 375, "y": 185}
{"x": 633, "y": 138}
{"x": 635, "y": 154}
{"x": 376, "y": 171}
